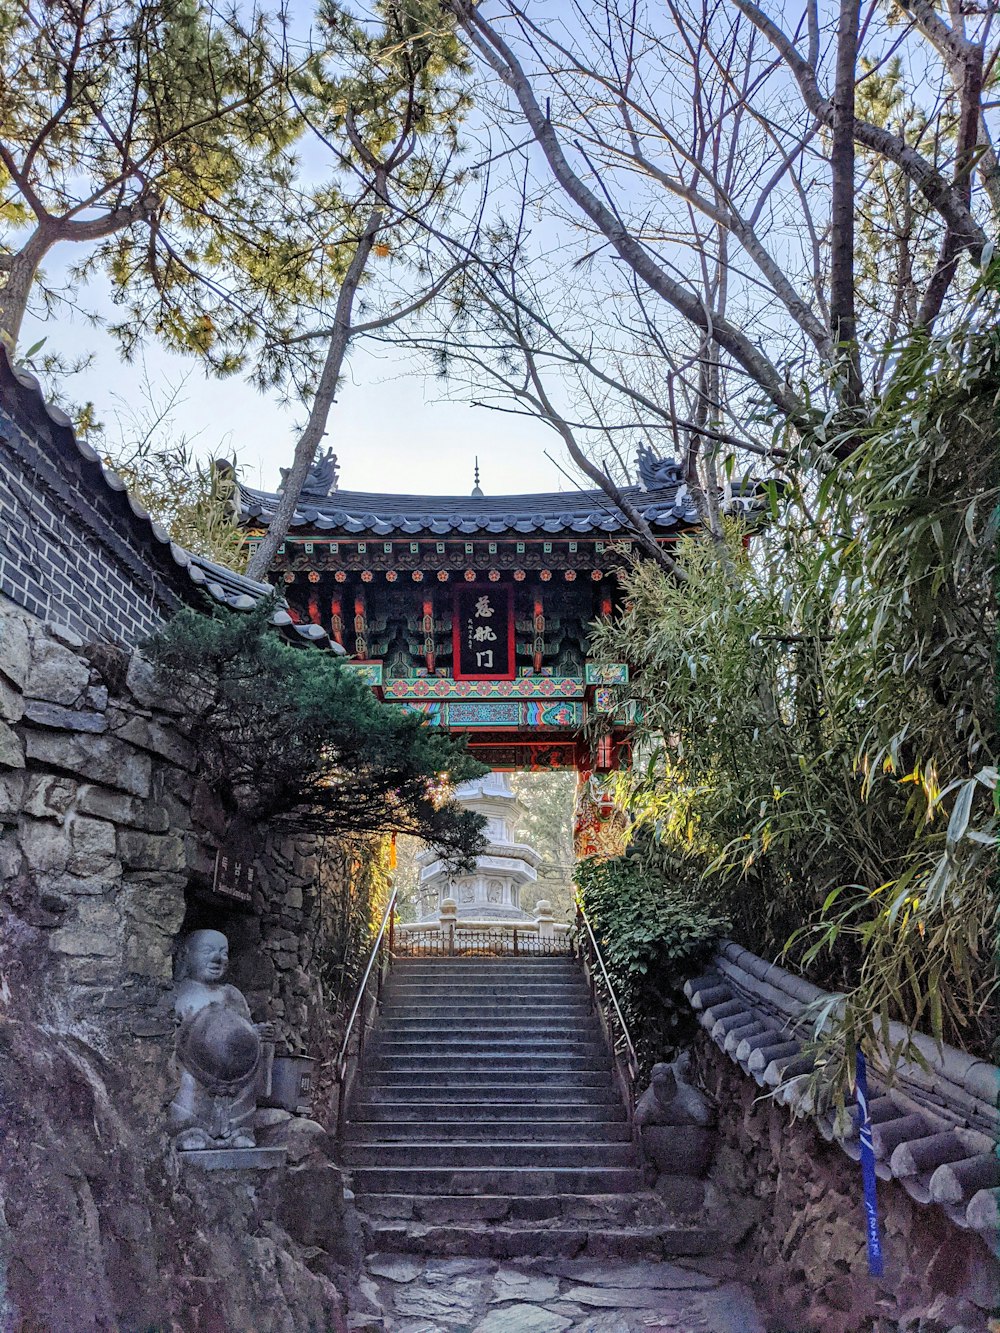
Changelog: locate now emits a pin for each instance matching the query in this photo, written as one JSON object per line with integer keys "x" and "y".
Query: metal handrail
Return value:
{"x": 611, "y": 990}
{"x": 362, "y": 988}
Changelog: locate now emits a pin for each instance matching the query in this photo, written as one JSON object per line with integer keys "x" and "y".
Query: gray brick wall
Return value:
{"x": 65, "y": 554}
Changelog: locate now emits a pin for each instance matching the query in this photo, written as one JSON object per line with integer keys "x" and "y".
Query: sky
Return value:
{"x": 393, "y": 428}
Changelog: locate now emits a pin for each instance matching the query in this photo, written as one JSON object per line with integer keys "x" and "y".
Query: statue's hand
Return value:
{"x": 265, "y": 1031}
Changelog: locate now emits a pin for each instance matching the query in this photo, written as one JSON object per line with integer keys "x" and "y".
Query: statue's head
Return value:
{"x": 664, "y": 1081}
{"x": 204, "y": 957}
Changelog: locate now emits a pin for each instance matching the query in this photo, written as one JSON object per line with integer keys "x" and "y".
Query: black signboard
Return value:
{"x": 484, "y": 632}
{"x": 234, "y": 874}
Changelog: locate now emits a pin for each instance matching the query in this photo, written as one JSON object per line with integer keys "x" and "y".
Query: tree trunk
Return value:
{"x": 843, "y": 323}
{"x": 305, "y": 449}
{"x": 16, "y": 290}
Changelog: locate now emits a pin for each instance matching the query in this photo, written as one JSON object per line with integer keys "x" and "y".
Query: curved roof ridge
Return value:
{"x": 22, "y": 395}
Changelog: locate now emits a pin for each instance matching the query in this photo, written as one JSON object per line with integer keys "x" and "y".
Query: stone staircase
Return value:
{"x": 487, "y": 1122}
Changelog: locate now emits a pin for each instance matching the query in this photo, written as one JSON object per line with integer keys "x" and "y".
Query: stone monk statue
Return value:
{"x": 218, "y": 1048}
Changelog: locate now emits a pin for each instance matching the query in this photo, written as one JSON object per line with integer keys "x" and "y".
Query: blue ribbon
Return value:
{"x": 868, "y": 1177}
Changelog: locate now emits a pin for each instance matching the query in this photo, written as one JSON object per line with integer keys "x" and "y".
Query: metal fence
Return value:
{"x": 464, "y": 941}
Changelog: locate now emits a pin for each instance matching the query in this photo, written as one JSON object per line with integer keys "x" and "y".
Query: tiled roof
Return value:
{"x": 350, "y": 513}
{"x": 935, "y": 1131}
{"x": 188, "y": 573}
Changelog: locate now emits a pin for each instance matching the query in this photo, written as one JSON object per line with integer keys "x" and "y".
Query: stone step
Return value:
{"x": 505, "y": 1153}
{"x": 624, "y": 1209}
{"x": 472, "y": 1044}
{"x": 493, "y": 1029}
{"x": 464, "y": 1017}
{"x": 499, "y": 1014}
{"x": 485, "y": 1058}
{"x": 430, "y": 1033}
{"x": 520, "y": 1180}
{"x": 417, "y": 1033}
{"x": 373, "y": 1129}
{"x": 566, "y": 1241}
{"x": 410, "y": 1114}
{"x": 483, "y": 997}
{"x": 501, "y": 1080}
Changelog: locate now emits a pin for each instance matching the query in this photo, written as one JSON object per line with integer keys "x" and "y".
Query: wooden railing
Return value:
{"x": 605, "y": 1002}
{"x": 352, "y": 1047}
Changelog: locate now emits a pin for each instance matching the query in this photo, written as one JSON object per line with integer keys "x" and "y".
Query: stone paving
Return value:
{"x": 412, "y": 1294}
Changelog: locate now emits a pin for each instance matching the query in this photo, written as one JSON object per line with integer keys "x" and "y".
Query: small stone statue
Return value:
{"x": 675, "y": 1121}
{"x": 671, "y": 1100}
{"x": 218, "y": 1048}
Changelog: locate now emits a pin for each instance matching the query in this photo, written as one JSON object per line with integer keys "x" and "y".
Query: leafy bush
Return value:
{"x": 819, "y": 734}
{"x": 288, "y": 733}
{"x": 654, "y": 935}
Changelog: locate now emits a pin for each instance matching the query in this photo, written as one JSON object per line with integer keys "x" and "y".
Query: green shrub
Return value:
{"x": 818, "y": 735}
{"x": 287, "y": 733}
{"x": 654, "y": 934}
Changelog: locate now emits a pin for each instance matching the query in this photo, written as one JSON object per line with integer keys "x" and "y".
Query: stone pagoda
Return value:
{"x": 490, "y": 894}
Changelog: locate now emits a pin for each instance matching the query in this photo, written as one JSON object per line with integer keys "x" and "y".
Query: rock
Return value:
{"x": 301, "y": 1138}
{"x": 100, "y": 758}
{"x": 63, "y": 719}
{"x": 269, "y": 1116}
{"x": 15, "y": 650}
{"x": 452, "y": 1301}
{"x": 509, "y": 1284}
{"x": 162, "y": 741}
{"x": 56, "y": 674}
{"x": 150, "y": 689}
{"x": 661, "y": 1276}
{"x": 64, "y": 634}
{"x": 11, "y": 750}
{"x": 94, "y": 845}
{"x": 92, "y": 971}
{"x": 395, "y": 1267}
{"x": 122, "y": 809}
{"x": 49, "y": 797}
{"x": 46, "y": 846}
{"x": 149, "y": 851}
{"x": 12, "y": 789}
{"x": 616, "y": 1298}
{"x": 149, "y": 954}
{"x": 93, "y": 932}
{"x": 603, "y": 1323}
{"x": 522, "y": 1319}
{"x": 11, "y": 702}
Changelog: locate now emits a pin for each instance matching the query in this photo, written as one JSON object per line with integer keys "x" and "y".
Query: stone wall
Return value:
{"x": 794, "y": 1204}
{"x": 107, "y": 847}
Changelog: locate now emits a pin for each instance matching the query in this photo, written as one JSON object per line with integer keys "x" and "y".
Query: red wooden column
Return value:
{"x": 337, "y": 618}
{"x": 427, "y": 625}
{"x": 360, "y": 626}
{"x": 538, "y": 645}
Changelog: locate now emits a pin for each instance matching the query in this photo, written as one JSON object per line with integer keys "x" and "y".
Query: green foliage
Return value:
{"x": 287, "y": 733}
{"x": 654, "y": 934}
{"x": 360, "y": 868}
{"x": 145, "y": 131}
{"x": 819, "y": 737}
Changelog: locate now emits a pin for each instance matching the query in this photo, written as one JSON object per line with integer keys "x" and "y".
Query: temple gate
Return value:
{"x": 475, "y": 611}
